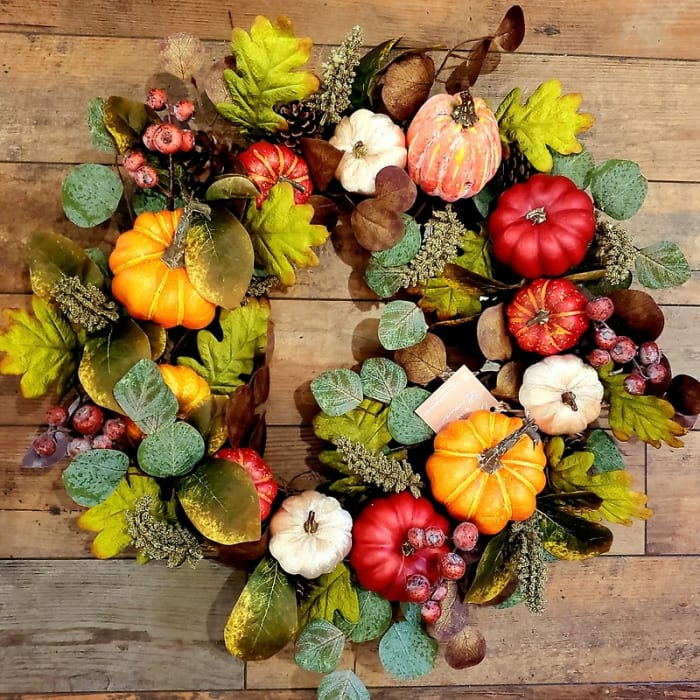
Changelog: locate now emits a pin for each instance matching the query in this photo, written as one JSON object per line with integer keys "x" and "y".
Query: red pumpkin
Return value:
{"x": 542, "y": 227}
{"x": 454, "y": 146}
{"x": 269, "y": 163}
{"x": 381, "y": 555}
{"x": 547, "y": 316}
{"x": 259, "y": 472}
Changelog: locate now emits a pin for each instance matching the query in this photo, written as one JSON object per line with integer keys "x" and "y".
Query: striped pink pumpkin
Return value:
{"x": 454, "y": 147}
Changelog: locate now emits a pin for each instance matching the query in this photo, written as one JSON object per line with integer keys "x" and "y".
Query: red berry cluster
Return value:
{"x": 451, "y": 566}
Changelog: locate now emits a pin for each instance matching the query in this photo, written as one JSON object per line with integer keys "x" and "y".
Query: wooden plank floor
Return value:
{"x": 623, "y": 626}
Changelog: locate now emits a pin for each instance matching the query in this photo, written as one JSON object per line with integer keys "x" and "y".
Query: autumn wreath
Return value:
{"x": 480, "y": 447}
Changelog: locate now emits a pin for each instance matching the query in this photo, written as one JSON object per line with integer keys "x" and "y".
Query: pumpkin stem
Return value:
{"x": 541, "y": 317}
{"x": 490, "y": 460}
{"x": 296, "y": 185}
{"x": 569, "y": 398}
{"x": 174, "y": 254}
{"x": 311, "y": 524}
{"x": 359, "y": 150}
{"x": 465, "y": 112}
{"x": 537, "y": 216}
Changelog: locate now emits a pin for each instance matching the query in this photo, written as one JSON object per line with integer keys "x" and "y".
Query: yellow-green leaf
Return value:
{"x": 266, "y": 74}
{"x": 547, "y": 119}
{"x": 282, "y": 233}
{"x": 495, "y": 571}
{"x": 125, "y": 119}
{"x": 41, "y": 347}
{"x": 448, "y": 298}
{"x": 333, "y": 591}
{"x": 570, "y": 537}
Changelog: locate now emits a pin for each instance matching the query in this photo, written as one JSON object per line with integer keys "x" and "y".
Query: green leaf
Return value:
{"x": 41, "y": 347}
{"x": 225, "y": 363}
{"x": 383, "y": 281}
{"x": 93, "y": 475}
{"x": 405, "y": 250}
{"x": 382, "y": 379}
{"x": 266, "y": 75}
{"x": 264, "y": 618}
{"x": 485, "y": 201}
{"x": 282, "y": 233}
{"x": 91, "y": 194}
{"x": 608, "y": 457}
{"x": 126, "y": 120}
{"x": 219, "y": 258}
{"x": 151, "y": 200}
{"x": 375, "y": 618}
{"x": 331, "y": 592}
{"x": 342, "y": 685}
{"x": 448, "y": 298}
{"x": 411, "y": 613}
{"x": 101, "y": 138}
{"x": 145, "y": 397}
{"x": 337, "y": 391}
{"x": 571, "y": 537}
{"x": 404, "y": 424}
{"x": 618, "y": 188}
{"x": 494, "y": 573}
{"x": 475, "y": 255}
{"x": 401, "y": 325}
{"x": 231, "y": 187}
{"x": 106, "y": 359}
{"x": 220, "y": 499}
{"x": 173, "y": 451}
{"x": 365, "y": 424}
{"x": 662, "y": 265}
{"x": 406, "y": 651}
{"x": 319, "y": 647}
{"x": 369, "y": 70}
{"x": 576, "y": 166}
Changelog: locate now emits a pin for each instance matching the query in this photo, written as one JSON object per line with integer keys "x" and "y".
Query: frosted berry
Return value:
{"x": 157, "y": 98}
{"x": 187, "y": 144}
{"x": 431, "y": 611}
{"x": 635, "y": 384}
{"x": 78, "y": 445}
{"x": 101, "y": 442}
{"x": 465, "y": 536}
{"x": 167, "y": 139}
{"x": 44, "y": 445}
{"x": 648, "y": 353}
{"x": 133, "y": 160}
{"x": 434, "y": 537}
{"x": 439, "y": 593}
{"x": 183, "y": 110}
{"x": 145, "y": 177}
{"x": 624, "y": 350}
{"x": 416, "y": 537}
{"x": 56, "y": 416}
{"x": 656, "y": 373}
{"x": 600, "y": 308}
{"x": 148, "y": 135}
{"x": 598, "y": 357}
{"x": 88, "y": 419}
{"x": 417, "y": 588}
{"x": 451, "y": 566}
{"x": 114, "y": 428}
{"x": 605, "y": 337}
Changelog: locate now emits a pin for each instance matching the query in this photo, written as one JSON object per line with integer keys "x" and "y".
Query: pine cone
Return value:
{"x": 210, "y": 157}
{"x": 302, "y": 121}
{"x": 514, "y": 168}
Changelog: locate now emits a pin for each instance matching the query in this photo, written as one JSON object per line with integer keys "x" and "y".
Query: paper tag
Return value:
{"x": 459, "y": 396}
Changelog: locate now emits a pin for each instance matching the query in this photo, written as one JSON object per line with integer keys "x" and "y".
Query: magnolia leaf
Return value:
{"x": 368, "y": 72}
{"x": 264, "y": 618}
{"x": 330, "y": 593}
{"x": 91, "y": 194}
{"x": 342, "y": 685}
{"x": 492, "y": 334}
{"x": 220, "y": 499}
{"x": 282, "y": 234}
{"x": 224, "y": 362}
{"x": 405, "y": 250}
{"x": 576, "y": 166}
{"x": 101, "y": 138}
{"x": 106, "y": 359}
{"x": 608, "y": 457}
{"x": 337, "y": 391}
{"x": 145, "y": 397}
{"x": 108, "y": 519}
{"x": 548, "y": 118}
{"x": 404, "y": 424}
{"x": 570, "y": 537}
{"x": 382, "y": 379}
{"x": 383, "y": 281}
{"x": 182, "y": 55}
{"x": 319, "y": 647}
{"x": 365, "y": 424}
{"x": 465, "y": 649}
{"x": 41, "y": 347}
{"x": 232, "y": 186}
{"x": 424, "y": 361}
{"x": 618, "y": 188}
{"x": 173, "y": 451}
{"x": 662, "y": 265}
{"x": 210, "y": 419}
{"x": 93, "y": 475}
{"x": 219, "y": 258}
{"x": 375, "y": 618}
{"x": 406, "y": 651}
{"x": 266, "y": 74}
{"x": 494, "y": 573}
{"x": 448, "y": 298}
{"x": 401, "y": 325}
{"x": 126, "y": 120}
{"x": 157, "y": 337}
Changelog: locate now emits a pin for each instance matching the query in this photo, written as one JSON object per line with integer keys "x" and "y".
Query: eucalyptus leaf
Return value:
{"x": 91, "y": 194}
{"x": 608, "y": 457}
{"x": 101, "y": 138}
{"x": 337, "y": 391}
{"x": 342, "y": 685}
{"x": 571, "y": 537}
{"x": 375, "y": 618}
{"x": 173, "y": 451}
{"x": 401, "y": 325}
{"x": 93, "y": 475}
{"x": 383, "y": 281}
{"x": 382, "y": 379}
{"x": 662, "y": 265}
{"x": 618, "y": 188}
{"x": 576, "y": 166}
{"x": 405, "y": 250}
{"x": 404, "y": 424}
{"x": 406, "y": 651}
{"x": 146, "y": 398}
{"x": 319, "y": 647}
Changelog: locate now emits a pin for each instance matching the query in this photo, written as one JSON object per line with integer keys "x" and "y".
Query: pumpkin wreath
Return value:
{"x": 478, "y": 449}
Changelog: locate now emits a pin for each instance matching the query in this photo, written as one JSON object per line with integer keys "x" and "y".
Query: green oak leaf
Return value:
{"x": 475, "y": 255}
{"x": 330, "y": 593}
{"x": 448, "y": 298}
{"x": 319, "y": 647}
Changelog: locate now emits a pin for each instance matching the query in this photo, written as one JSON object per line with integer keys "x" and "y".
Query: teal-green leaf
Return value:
{"x": 401, "y": 325}
{"x": 146, "y": 398}
{"x": 485, "y": 201}
{"x": 618, "y": 188}
{"x": 101, "y": 138}
{"x": 576, "y": 166}
{"x": 662, "y": 265}
{"x": 382, "y": 378}
{"x": 608, "y": 457}
{"x": 375, "y": 617}
{"x": 93, "y": 475}
{"x": 342, "y": 685}
{"x": 406, "y": 651}
{"x": 173, "y": 451}
{"x": 383, "y": 281}
{"x": 319, "y": 647}
{"x": 404, "y": 424}
{"x": 91, "y": 194}
{"x": 405, "y": 250}
{"x": 337, "y": 391}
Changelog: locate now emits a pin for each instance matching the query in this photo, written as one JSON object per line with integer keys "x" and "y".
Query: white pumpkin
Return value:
{"x": 310, "y": 534}
{"x": 371, "y": 142}
{"x": 562, "y": 394}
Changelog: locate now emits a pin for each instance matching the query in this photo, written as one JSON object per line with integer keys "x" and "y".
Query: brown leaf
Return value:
{"x": 260, "y": 382}
{"x": 407, "y": 84}
{"x": 511, "y": 30}
{"x": 214, "y": 84}
{"x": 466, "y": 648}
{"x": 182, "y": 55}
{"x": 375, "y": 226}
{"x": 454, "y": 617}
{"x": 325, "y": 211}
{"x": 508, "y": 381}
{"x": 636, "y": 315}
{"x": 492, "y": 333}
{"x": 240, "y": 414}
{"x": 322, "y": 159}
{"x": 258, "y": 435}
{"x": 466, "y": 73}
{"x": 246, "y": 554}
{"x": 424, "y": 361}
{"x": 684, "y": 394}
{"x": 395, "y": 188}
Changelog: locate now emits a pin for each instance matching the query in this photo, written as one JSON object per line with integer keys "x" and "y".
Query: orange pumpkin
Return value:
{"x": 190, "y": 388}
{"x": 149, "y": 288}
{"x": 487, "y": 470}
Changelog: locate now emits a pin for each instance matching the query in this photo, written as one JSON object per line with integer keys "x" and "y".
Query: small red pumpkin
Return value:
{"x": 542, "y": 227}
{"x": 269, "y": 163}
{"x": 547, "y": 316}
{"x": 454, "y": 146}
{"x": 259, "y": 472}
{"x": 381, "y": 555}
